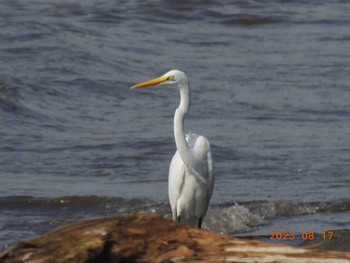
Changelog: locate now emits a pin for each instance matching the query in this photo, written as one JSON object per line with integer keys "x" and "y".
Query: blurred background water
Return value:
{"x": 270, "y": 90}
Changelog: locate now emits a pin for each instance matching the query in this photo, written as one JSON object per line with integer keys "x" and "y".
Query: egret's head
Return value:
{"x": 172, "y": 77}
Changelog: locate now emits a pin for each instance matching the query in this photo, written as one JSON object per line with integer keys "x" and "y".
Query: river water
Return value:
{"x": 270, "y": 90}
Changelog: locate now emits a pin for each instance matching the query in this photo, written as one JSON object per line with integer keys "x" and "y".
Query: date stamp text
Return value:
{"x": 280, "y": 235}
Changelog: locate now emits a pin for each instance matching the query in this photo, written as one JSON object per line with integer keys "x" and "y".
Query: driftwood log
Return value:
{"x": 151, "y": 238}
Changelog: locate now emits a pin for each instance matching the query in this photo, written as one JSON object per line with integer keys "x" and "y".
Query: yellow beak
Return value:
{"x": 151, "y": 82}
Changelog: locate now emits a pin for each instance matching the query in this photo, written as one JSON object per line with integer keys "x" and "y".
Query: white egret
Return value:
{"x": 191, "y": 173}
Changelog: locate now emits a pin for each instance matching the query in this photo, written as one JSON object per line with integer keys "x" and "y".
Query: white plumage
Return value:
{"x": 191, "y": 173}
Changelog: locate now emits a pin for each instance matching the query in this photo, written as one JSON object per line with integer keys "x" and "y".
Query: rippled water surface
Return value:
{"x": 270, "y": 90}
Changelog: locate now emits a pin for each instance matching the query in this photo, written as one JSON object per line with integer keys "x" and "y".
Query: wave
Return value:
{"x": 263, "y": 209}
{"x": 225, "y": 218}
{"x": 16, "y": 101}
{"x": 245, "y": 19}
{"x": 9, "y": 96}
{"x": 268, "y": 209}
{"x": 232, "y": 219}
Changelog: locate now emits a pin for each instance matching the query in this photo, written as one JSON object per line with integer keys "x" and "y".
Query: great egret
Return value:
{"x": 191, "y": 173}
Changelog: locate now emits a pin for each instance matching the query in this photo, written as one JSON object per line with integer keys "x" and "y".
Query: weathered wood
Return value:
{"x": 151, "y": 238}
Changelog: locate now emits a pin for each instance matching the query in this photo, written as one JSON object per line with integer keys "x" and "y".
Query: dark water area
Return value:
{"x": 270, "y": 90}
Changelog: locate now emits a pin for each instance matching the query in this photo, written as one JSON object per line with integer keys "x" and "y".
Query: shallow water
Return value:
{"x": 270, "y": 90}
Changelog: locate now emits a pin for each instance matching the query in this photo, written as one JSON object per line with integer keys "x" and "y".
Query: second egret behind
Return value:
{"x": 191, "y": 173}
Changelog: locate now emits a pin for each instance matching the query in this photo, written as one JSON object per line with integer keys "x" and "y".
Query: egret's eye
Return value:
{"x": 170, "y": 78}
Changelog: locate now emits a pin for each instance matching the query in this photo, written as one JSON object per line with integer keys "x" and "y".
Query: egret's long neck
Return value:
{"x": 185, "y": 98}
{"x": 180, "y": 114}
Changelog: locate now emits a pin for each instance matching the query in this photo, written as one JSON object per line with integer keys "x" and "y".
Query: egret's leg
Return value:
{"x": 199, "y": 223}
{"x": 174, "y": 212}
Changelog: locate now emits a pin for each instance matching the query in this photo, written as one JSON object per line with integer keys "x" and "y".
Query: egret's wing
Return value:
{"x": 210, "y": 172}
{"x": 192, "y": 141}
{"x": 201, "y": 147}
